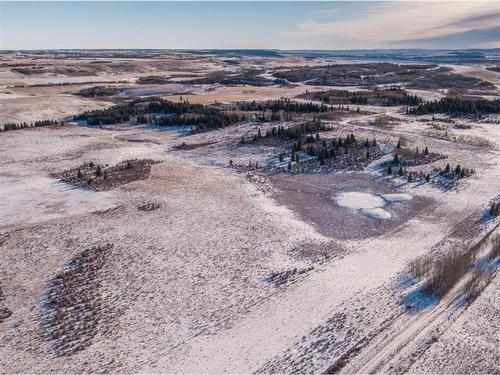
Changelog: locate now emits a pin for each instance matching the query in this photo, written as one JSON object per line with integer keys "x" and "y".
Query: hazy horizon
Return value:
{"x": 255, "y": 49}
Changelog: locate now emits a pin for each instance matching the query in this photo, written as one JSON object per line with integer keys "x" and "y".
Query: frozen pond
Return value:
{"x": 347, "y": 205}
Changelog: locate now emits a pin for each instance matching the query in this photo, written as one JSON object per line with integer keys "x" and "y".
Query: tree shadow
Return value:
{"x": 418, "y": 299}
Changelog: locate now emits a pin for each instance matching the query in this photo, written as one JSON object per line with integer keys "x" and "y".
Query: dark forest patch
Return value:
{"x": 96, "y": 91}
{"x": 102, "y": 177}
{"x": 380, "y": 97}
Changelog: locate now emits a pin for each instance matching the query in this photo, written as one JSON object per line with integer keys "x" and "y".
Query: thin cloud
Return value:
{"x": 465, "y": 39}
{"x": 393, "y": 24}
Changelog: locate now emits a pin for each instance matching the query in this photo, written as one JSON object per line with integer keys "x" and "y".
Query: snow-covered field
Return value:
{"x": 235, "y": 270}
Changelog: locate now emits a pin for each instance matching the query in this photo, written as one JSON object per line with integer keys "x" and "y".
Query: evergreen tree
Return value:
{"x": 98, "y": 171}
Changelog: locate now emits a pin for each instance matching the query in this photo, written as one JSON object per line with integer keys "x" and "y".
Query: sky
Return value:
{"x": 241, "y": 24}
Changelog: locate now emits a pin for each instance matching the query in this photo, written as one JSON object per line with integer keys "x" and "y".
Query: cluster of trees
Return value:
{"x": 283, "y": 104}
{"x": 409, "y": 156}
{"x": 386, "y": 97}
{"x": 23, "y": 125}
{"x": 339, "y": 147}
{"x": 95, "y": 91}
{"x": 296, "y": 132}
{"x": 450, "y": 173}
{"x": 457, "y": 172}
{"x": 174, "y": 113}
{"x": 205, "y": 121}
{"x": 275, "y": 116}
{"x": 411, "y": 176}
{"x": 112, "y": 115}
{"x": 458, "y": 106}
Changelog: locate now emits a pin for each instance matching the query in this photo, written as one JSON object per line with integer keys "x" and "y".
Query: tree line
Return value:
{"x": 458, "y": 106}
{"x": 172, "y": 113}
{"x": 282, "y": 105}
{"x": 296, "y": 132}
{"x": 23, "y": 125}
{"x": 387, "y": 97}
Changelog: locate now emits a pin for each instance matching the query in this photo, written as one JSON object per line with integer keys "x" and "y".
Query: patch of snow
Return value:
{"x": 376, "y": 213}
{"x": 359, "y": 200}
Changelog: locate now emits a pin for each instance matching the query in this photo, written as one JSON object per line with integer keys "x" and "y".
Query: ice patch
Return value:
{"x": 358, "y": 200}
{"x": 396, "y": 197}
{"x": 376, "y": 213}
{"x": 369, "y": 204}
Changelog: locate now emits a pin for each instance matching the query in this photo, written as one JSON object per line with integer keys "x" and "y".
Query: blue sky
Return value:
{"x": 281, "y": 25}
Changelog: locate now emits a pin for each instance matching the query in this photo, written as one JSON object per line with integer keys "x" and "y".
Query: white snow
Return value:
{"x": 359, "y": 200}
{"x": 368, "y": 204}
{"x": 376, "y": 213}
{"x": 27, "y": 197}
